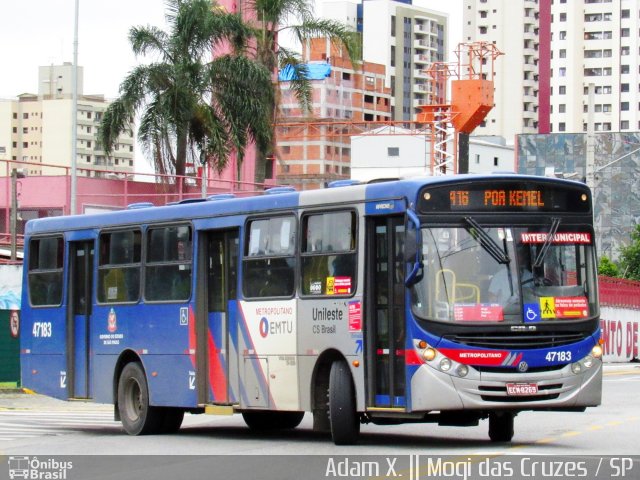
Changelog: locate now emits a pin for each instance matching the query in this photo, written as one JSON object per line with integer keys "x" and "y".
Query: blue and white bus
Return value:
{"x": 443, "y": 299}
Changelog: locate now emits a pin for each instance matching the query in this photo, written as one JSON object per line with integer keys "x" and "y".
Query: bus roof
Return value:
{"x": 285, "y": 200}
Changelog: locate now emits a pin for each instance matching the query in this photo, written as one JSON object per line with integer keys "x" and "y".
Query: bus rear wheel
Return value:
{"x": 501, "y": 426}
{"x": 343, "y": 417}
{"x": 268, "y": 420}
{"x": 137, "y": 416}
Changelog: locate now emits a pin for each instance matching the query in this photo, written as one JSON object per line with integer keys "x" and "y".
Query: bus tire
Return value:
{"x": 136, "y": 415}
{"x": 270, "y": 420}
{"x": 171, "y": 420}
{"x": 343, "y": 417}
{"x": 501, "y": 426}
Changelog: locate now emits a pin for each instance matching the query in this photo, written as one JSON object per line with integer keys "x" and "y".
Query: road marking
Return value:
{"x": 21, "y": 424}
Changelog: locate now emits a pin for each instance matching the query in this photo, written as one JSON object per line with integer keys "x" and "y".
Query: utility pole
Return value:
{"x": 74, "y": 118}
{"x": 14, "y": 215}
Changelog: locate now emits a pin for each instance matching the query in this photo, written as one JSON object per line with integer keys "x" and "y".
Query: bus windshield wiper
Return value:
{"x": 555, "y": 223}
{"x": 488, "y": 243}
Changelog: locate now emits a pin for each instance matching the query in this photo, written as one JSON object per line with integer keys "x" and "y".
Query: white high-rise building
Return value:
{"x": 404, "y": 38}
{"x": 554, "y": 49}
{"x": 513, "y": 28}
{"x": 35, "y": 130}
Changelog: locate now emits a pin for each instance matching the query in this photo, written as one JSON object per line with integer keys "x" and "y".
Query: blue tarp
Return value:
{"x": 315, "y": 71}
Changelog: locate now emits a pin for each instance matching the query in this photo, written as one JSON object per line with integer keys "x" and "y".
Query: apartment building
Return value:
{"x": 597, "y": 43}
{"x": 308, "y": 156}
{"x": 406, "y": 39}
{"x": 515, "y": 30}
{"x": 554, "y": 50}
{"x": 35, "y": 130}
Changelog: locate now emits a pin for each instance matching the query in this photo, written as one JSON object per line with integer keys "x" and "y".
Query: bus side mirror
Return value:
{"x": 413, "y": 249}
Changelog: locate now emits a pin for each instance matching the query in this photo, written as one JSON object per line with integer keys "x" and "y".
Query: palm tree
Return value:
{"x": 276, "y": 18}
{"x": 191, "y": 105}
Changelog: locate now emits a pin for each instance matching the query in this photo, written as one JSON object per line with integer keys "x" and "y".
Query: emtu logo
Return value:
{"x": 264, "y": 327}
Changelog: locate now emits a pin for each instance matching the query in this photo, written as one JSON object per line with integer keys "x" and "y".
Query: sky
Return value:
{"x": 35, "y": 33}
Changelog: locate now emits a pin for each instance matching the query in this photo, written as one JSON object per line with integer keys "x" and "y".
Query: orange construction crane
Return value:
{"x": 471, "y": 100}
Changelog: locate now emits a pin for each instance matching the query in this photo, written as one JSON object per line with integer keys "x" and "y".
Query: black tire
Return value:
{"x": 268, "y": 420}
{"x": 343, "y": 417}
{"x": 137, "y": 416}
{"x": 501, "y": 426}
{"x": 171, "y": 419}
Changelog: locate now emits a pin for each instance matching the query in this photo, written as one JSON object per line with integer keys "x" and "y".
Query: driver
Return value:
{"x": 500, "y": 288}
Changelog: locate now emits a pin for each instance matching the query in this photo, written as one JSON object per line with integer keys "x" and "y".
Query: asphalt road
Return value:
{"x": 37, "y": 425}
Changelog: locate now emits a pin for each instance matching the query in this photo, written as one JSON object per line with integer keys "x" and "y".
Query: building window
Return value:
{"x": 563, "y": 53}
{"x": 562, "y": 90}
{"x": 25, "y": 116}
{"x": 626, "y": 13}
{"x": 625, "y": 32}
{"x": 624, "y": 125}
{"x": 286, "y": 149}
{"x": 562, "y": 108}
{"x": 562, "y": 127}
{"x": 625, "y": 51}
{"x": 624, "y": 87}
{"x": 563, "y": 35}
{"x": 477, "y": 158}
{"x": 624, "y": 69}
{"x": 495, "y": 161}
{"x": 393, "y": 151}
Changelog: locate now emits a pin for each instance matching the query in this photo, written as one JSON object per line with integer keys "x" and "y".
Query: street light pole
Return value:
{"x": 74, "y": 117}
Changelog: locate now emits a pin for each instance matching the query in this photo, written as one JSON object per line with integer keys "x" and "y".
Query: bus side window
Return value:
{"x": 168, "y": 264}
{"x": 119, "y": 266}
{"x": 328, "y": 253}
{"x": 269, "y": 262}
{"x": 45, "y": 271}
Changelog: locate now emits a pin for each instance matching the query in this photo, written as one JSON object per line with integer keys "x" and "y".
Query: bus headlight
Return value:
{"x": 588, "y": 361}
{"x": 462, "y": 370}
{"x": 596, "y": 352}
{"x": 576, "y": 367}
{"x": 445, "y": 364}
{"x": 429, "y": 354}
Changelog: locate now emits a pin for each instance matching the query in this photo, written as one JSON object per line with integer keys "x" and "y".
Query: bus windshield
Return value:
{"x": 523, "y": 275}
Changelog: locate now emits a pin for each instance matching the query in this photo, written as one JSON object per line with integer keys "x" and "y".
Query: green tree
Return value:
{"x": 277, "y": 18}
{"x": 191, "y": 105}
{"x": 630, "y": 256}
{"x": 607, "y": 268}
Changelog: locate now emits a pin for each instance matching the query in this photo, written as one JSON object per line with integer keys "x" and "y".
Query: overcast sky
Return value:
{"x": 40, "y": 32}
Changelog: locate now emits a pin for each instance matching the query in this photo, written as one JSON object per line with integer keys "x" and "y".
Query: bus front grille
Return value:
{"x": 520, "y": 341}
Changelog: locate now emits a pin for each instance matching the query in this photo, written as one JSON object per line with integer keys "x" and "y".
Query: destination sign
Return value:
{"x": 505, "y": 196}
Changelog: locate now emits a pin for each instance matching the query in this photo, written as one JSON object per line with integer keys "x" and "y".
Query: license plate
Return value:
{"x": 517, "y": 389}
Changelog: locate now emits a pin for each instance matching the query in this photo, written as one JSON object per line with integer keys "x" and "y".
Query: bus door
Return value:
{"x": 385, "y": 332}
{"x": 78, "y": 317}
{"x": 217, "y": 336}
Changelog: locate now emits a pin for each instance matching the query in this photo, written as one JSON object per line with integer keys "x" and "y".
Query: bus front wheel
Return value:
{"x": 501, "y": 426}
{"x": 343, "y": 417}
{"x": 137, "y": 416}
